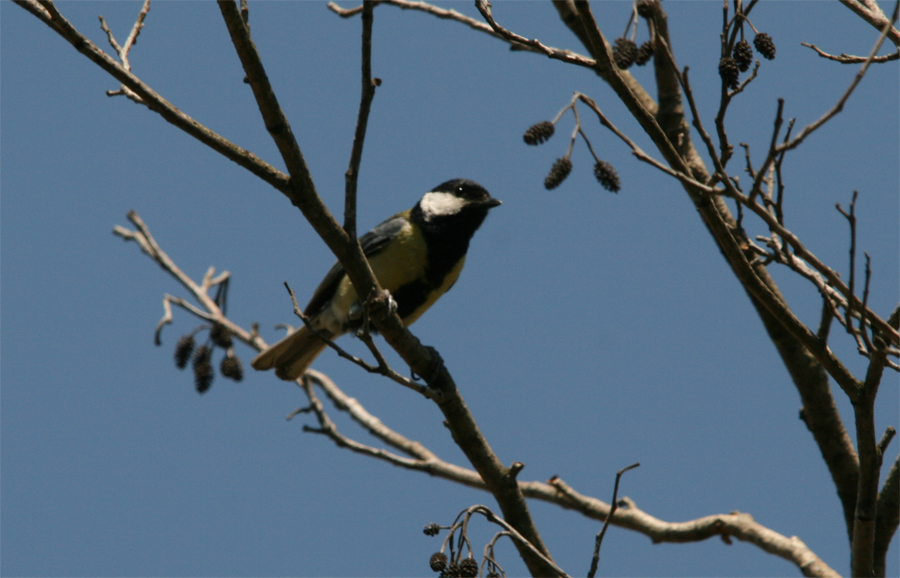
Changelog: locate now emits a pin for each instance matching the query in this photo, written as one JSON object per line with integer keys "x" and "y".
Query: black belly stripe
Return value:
{"x": 410, "y": 297}
{"x": 447, "y": 239}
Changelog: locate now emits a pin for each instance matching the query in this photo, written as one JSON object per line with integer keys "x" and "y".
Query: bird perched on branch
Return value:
{"x": 416, "y": 255}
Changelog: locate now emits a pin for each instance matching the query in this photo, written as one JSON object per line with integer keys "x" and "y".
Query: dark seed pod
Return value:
{"x": 558, "y": 173}
{"x": 728, "y": 70}
{"x": 203, "y": 376}
{"x": 647, "y": 8}
{"x": 438, "y": 561}
{"x": 764, "y": 45}
{"x": 607, "y": 176}
{"x": 432, "y": 529}
{"x": 451, "y": 571}
{"x": 202, "y": 355}
{"x": 645, "y": 53}
{"x": 183, "y": 351}
{"x": 220, "y": 335}
{"x": 624, "y": 53}
{"x": 468, "y": 568}
{"x": 231, "y": 368}
{"x": 538, "y": 133}
{"x": 493, "y": 574}
{"x": 743, "y": 55}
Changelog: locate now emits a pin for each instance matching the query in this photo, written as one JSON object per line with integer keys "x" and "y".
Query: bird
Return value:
{"x": 416, "y": 255}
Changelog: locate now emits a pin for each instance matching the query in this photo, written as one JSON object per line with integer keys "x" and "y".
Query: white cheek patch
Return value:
{"x": 441, "y": 205}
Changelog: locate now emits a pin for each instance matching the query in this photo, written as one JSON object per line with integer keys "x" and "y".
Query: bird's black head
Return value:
{"x": 456, "y": 197}
{"x": 447, "y": 217}
{"x": 466, "y": 189}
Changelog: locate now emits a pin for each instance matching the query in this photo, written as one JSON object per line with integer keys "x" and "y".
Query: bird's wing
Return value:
{"x": 372, "y": 243}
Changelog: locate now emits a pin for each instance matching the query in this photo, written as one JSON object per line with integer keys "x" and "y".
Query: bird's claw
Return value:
{"x": 436, "y": 367}
{"x": 377, "y": 301}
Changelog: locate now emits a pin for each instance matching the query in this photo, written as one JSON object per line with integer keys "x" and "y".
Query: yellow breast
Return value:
{"x": 403, "y": 261}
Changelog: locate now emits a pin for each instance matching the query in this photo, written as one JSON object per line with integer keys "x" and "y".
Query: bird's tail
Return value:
{"x": 293, "y": 355}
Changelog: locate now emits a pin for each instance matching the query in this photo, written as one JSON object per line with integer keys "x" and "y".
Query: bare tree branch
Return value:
{"x": 638, "y": 152}
{"x": 414, "y": 456}
{"x": 737, "y": 525}
{"x": 871, "y": 12}
{"x": 123, "y": 50}
{"x": 812, "y": 383}
{"x": 820, "y": 413}
{"x": 595, "y": 559}
{"x": 850, "y": 59}
{"x": 517, "y": 42}
{"x": 365, "y": 104}
{"x": 49, "y": 15}
{"x": 756, "y": 285}
{"x": 556, "y": 491}
{"x": 862, "y": 548}
{"x": 887, "y": 517}
{"x": 461, "y": 525}
{"x": 485, "y": 8}
{"x": 328, "y": 428}
{"x": 200, "y": 291}
{"x": 570, "y": 16}
{"x": 809, "y": 129}
{"x": 834, "y": 280}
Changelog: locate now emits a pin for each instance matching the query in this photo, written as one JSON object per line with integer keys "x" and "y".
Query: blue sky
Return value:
{"x": 587, "y": 332}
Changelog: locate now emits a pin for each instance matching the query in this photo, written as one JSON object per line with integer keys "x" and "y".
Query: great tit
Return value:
{"x": 416, "y": 255}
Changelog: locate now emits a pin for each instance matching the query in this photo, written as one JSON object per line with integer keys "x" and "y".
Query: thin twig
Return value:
{"x": 851, "y": 220}
{"x": 850, "y": 59}
{"x": 886, "y": 438}
{"x": 766, "y": 167}
{"x": 380, "y": 369}
{"x": 698, "y": 124}
{"x": 638, "y": 152}
{"x": 351, "y": 177}
{"x": 516, "y": 42}
{"x": 148, "y": 244}
{"x": 344, "y": 12}
{"x": 210, "y": 310}
{"x": 48, "y": 14}
{"x": 825, "y": 319}
{"x": 779, "y": 179}
{"x": 303, "y": 192}
{"x": 865, "y": 303}
{"x": 812, "y": 127}
{"x": 871, "y": 12}
{"x": 834, "y": 281}
{"x": 564, "y": 55}
{"x": 614, "y": 504}
{"x": 167, "y": 317}
{"x": 517, "y": 537}
{"x": 138, "y": 26}
{"x": 328, "y": 428}
{"x": 737, "y": 525}
{"x": 888, "y": 516}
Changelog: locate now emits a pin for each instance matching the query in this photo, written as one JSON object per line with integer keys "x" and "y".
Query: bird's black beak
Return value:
{"x": 491, "y": 203}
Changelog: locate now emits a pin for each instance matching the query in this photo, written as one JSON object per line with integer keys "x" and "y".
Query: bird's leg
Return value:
{"x": 377, "y": 302}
